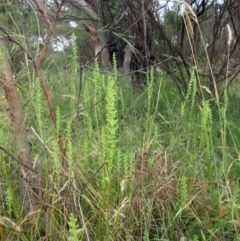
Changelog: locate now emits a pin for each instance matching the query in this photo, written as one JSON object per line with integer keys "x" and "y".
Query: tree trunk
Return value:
{"x": 127, "y": 59}
{"x": 15, "y": 108}
{"x": 105, "y": 55}
{"x": 17, "y": 118}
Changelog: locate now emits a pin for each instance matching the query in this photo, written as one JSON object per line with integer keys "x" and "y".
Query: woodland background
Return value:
{"x": 119, "y": 120}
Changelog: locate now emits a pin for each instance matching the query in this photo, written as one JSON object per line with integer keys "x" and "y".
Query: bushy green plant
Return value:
{"x": 74, "y": 230}
{"x": 39, "y": 106}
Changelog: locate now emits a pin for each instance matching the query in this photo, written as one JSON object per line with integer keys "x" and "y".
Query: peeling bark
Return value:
{"x": 15, "y": 108}
{"x": 16, "y": 115}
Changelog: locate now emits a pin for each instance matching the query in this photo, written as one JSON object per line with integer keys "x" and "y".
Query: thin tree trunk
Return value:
{"x": 127, "y": 59}
{"x": 106, "y": 61}
{"x": 15, "y": 108}
{"x": 105, "y": 55}
{"x": 17, "y": 118}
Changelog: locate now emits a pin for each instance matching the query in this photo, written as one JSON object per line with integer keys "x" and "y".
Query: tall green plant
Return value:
{"x": 111, "y": 127}
{"x": 55, "y": 148}
{"x": 192, "y": 89}
{"x": 39, "y": 106}
{"x": 206, "y": 137}
{"x": 75, "y": 232}
{"x": 69, "y": 148}
{"x": 74, "y": 75}
{"x": 109, "y": 148}
{"x": 150, "y": 81}
{"x": 98, "y": 94}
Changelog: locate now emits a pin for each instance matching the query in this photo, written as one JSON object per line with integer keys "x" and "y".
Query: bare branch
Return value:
{"x": 17, "y": 160}
{"x": 43, "y": 12}
{"x": 95, "y": 38}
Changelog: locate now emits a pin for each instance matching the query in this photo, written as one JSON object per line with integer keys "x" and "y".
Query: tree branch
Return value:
{"x": 17, "y": 160}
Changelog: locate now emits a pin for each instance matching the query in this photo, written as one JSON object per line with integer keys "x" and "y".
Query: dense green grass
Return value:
{"x": 147, "y": 165}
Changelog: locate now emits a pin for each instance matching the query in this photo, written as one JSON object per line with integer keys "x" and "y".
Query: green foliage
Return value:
{"x": 150, "y": 80}
{"x": 58, "y": 122}
{"x": 141, "y": 166}
{"x": 1, "y": 137}
{"x": 13, "y": 207}
{"x": 145, "y": 235}
{"x": 205, "y": 136}
{"x": 192, "y": 89}
{"x": 1, "y": 58}
{"x": 69, "y": 147}
{"x": 109, "y": 147}
{"x": 74, "y": 74}
{"x": 55, "y": 147}
{"x": 195, "y": 238}
{"x": 74, "y": 230}
{"x": 184, "y": 191}
{"x": 56, "y": 158}
{"x": 39, "y": 106}
{"x": 111, "y": 122}
{"x": 97, "y": 92}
